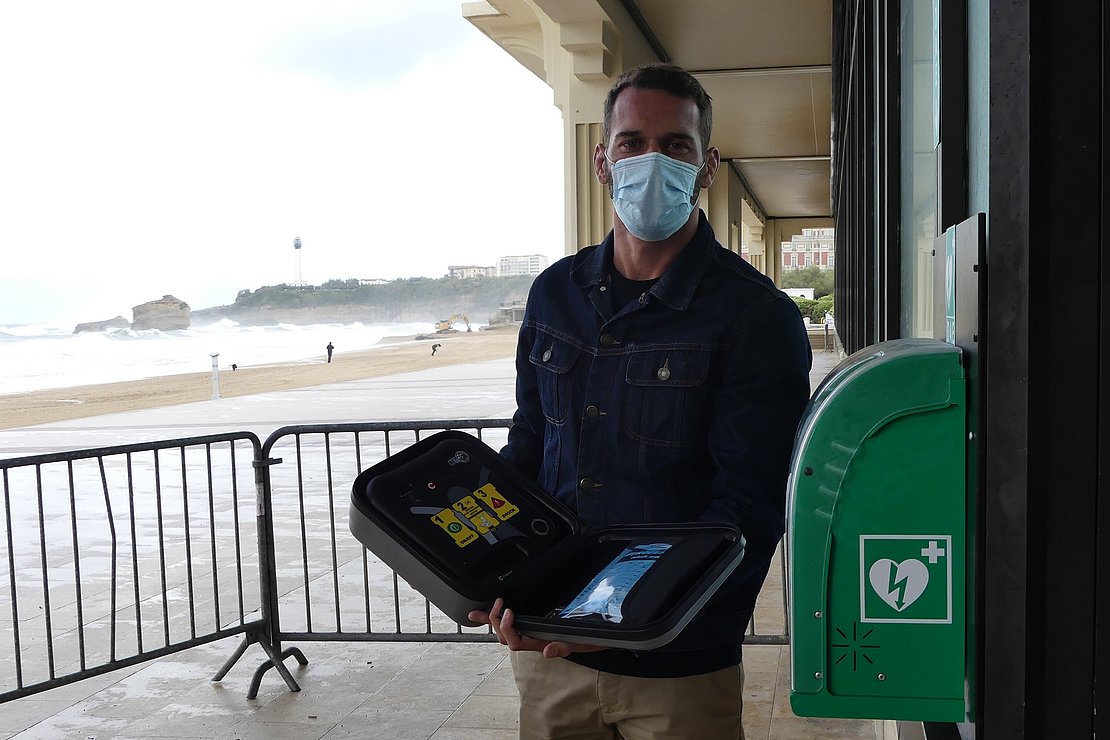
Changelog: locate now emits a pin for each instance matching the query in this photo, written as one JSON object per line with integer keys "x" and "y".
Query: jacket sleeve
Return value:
{"x": 764, "y": 391}
{"x": 524, "y": 449}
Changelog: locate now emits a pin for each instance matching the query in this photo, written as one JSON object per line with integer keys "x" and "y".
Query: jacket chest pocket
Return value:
{"x": 553, "y": 360}
{"x": 665, "y": 396}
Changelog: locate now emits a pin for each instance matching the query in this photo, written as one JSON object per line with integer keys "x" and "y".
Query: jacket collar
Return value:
{"x": 675, "y": 287}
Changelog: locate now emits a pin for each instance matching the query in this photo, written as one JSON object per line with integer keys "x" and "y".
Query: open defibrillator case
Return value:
{"x": 463, "y": 527}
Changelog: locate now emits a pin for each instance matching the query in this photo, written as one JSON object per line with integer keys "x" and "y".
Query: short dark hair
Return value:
{"x": 669, "y": 78}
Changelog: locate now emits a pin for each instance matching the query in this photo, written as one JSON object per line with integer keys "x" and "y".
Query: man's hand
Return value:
{"x": 502, "y": 619}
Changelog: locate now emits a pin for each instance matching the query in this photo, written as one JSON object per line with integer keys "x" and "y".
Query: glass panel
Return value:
{"x": 920, "y": 131}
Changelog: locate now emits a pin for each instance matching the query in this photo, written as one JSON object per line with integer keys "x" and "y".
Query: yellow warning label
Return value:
{"x": 462, "y": 534}
{"x": 469, "y": 508}
{"x": 492, "y": 498}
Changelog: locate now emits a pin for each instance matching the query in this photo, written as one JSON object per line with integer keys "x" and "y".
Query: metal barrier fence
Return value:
{"x": 118, "y": 555}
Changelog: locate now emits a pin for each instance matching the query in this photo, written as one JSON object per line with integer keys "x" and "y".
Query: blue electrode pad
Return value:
{"x": 604, "y": 595}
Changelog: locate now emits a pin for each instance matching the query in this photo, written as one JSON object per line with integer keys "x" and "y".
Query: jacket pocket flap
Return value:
{"x": 674, "y": 368}
{"x": 553, "y": 354}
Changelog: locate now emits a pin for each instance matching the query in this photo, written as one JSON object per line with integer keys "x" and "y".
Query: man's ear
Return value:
{"x": 601, "y": 166}
{"x": 712, "y": 162}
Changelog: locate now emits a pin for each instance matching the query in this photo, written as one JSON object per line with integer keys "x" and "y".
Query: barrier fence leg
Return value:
{"x": 275, "y": 661}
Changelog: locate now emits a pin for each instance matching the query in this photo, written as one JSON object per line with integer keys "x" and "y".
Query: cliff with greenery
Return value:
{"x": 405, "y": 300}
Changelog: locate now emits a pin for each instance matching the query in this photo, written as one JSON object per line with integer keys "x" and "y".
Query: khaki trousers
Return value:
{"x": 560, "y": 699}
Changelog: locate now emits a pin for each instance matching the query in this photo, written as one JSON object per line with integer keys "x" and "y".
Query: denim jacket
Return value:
{"x": 679, "y": 407}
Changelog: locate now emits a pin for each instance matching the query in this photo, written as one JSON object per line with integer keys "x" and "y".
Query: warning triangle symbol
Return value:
{"x": 497, "y": 502}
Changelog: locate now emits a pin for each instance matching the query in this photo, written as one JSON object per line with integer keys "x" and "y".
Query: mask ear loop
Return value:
{"x": 694, "y": 196}
{"x": 610, "y": 183}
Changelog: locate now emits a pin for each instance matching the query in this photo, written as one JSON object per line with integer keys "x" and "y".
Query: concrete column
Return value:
{"x": 593, "y": 210}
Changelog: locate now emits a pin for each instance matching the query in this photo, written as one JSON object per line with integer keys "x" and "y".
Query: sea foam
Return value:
{"x": 41, "y": 356}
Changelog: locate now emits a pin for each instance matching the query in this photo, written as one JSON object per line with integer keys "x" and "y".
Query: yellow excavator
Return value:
{"x": 448, "y": 324}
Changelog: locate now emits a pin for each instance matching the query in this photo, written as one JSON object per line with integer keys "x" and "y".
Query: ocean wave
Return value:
{"x": 61, "y": 359}
{"x": 23, "y": 331}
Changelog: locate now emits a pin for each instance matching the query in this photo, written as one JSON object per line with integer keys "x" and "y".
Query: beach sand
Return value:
{"x": 401, "y": 354}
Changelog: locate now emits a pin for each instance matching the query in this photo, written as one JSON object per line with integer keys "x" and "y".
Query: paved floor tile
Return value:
{"x": 499, "y": 682}
{"x": 251, "y": 729}
{"x": 404, "y": 693}
{"x": 479, "y": 712}
{"x": 61, "y": 727}
{"x": 189, "y": 720}
{"x": 20, "y": 714}
{"x": 455, "y": 733}
{"x": 396, "y": 724}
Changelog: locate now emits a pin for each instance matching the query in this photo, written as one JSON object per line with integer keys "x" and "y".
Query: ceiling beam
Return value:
{"x": 806, "y": 158}
{"x": 644, "y": 27}
{"x": 755, "y": 204}
{"x": 807, "y": 69}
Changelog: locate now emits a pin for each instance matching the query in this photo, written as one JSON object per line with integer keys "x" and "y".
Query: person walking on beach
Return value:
{"x": 660, "y": 378}
{"x": 331, "y": 348}
{"x": 435, "y": 346}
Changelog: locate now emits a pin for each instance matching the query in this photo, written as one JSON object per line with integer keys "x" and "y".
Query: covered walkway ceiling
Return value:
{"x": 767, "y": 66}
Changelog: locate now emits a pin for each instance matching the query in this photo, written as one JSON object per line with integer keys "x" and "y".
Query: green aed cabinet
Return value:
{"x": 877, "y": 538}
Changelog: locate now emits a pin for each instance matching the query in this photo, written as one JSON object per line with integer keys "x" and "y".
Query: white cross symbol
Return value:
{"x": 932, "y": 552}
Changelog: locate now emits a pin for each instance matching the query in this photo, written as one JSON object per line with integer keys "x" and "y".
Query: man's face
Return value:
{"x": 646, "y": 121}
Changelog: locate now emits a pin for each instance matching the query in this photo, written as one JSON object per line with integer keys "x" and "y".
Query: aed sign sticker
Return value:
{"x": 905, "y": 578}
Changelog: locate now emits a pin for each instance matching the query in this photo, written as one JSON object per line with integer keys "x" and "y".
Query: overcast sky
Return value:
{"x": 151, "y": 148}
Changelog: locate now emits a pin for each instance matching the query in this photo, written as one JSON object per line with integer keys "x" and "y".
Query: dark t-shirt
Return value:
{"x": 625, "y": 291}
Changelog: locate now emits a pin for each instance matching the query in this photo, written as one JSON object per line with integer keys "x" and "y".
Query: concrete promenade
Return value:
{"x": 369, "y": 690}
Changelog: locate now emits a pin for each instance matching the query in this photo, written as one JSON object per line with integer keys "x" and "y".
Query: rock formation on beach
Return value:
{"x": 117, "y": 323}
{"x": 165, "y": 314}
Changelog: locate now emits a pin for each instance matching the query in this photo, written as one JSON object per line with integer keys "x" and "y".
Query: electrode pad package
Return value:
{"x": 605, "y": 594}
{"x": 463, "y": 528}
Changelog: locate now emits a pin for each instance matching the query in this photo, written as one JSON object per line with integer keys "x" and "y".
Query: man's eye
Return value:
{"x": 680, "y": 146}
{"x": 630, "y": 144}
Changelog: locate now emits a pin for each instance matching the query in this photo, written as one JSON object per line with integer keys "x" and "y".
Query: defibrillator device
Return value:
{"x": 452, "y": 518}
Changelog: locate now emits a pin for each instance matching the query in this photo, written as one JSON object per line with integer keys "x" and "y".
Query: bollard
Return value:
{"x": 215, "y": 375}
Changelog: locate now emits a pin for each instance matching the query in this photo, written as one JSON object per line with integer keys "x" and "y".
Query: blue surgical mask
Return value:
{"x": 653, "y": 194}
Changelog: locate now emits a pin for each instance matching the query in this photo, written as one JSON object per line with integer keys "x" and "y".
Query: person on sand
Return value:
{"x": 435, "y": 347}
{"x": 660, "y": 378}
{"x": 331, "y": 348}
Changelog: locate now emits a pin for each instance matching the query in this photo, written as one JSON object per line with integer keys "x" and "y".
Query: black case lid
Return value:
{"x": 462, "y": 510}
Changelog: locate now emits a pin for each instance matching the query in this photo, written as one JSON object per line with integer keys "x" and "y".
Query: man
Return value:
{"x": 660, "y": 378}
{"x": 330, "y": 348}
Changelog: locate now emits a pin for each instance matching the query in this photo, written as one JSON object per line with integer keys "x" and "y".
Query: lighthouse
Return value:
{"x": 297, "y": 280}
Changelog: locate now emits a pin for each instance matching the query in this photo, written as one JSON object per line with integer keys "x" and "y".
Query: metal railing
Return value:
{"x": 119, "y": 555}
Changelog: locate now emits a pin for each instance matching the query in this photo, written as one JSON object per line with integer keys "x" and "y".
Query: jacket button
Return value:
{"x": 663, "y": 373}
{"x": 592, "y": 410}
{"x": 547, "y": 355}
{"x": 607, "y": 340}
{"x": 586, "y": 484}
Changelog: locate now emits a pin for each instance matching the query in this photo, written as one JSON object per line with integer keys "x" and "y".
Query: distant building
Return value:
{"x": 523, "y": 264}
{"x": 372, "y": 281}
{"x": 470, "y": 271}
{"x": 811, "y": 247}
